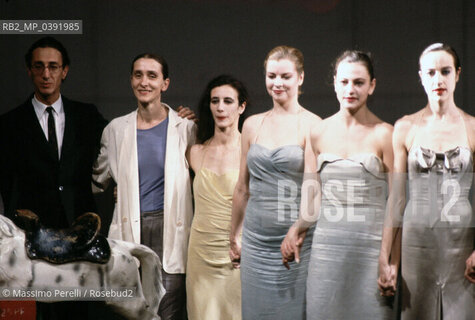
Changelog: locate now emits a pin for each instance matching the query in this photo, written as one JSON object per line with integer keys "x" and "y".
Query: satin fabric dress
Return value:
{"x": 438, "y": 236}
{"x": 213, "y": 286}
{"x": 343, "y": 268}
{"x": 269, "y": 290}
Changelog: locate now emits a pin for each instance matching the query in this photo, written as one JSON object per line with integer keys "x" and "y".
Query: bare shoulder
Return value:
{"x": 310, "y": 116}
{"x": 402, "y": 135}
{"x": 310, "y": 120}
{"x": 324, "y": 125}
{"x": 470, "y": 127}
{"x": 469, "y": 118}
{"x": 383, "y": 135}
{"x": 318, "y": 131}
{"x": 380, "y": 126}
{"x": 251, "y": 126}
{"x": 194, "y": 155}
{"x": 404, "y": 124}
{"x": 253, "y": 121}
{"x": 196, "y": 149}
{"x": 384, "y": 130}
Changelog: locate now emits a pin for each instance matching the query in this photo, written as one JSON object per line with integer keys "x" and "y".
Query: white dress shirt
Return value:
{"x": 59, "y": 118}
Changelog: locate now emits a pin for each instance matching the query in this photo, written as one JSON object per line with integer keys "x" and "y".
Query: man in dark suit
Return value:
{"x": 49, "y": 144}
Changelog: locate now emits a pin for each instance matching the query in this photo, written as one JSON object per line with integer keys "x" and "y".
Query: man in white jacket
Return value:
{"x": 144, "y": 153}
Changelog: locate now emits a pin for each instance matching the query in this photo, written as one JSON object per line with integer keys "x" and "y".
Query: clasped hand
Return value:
{"x": 290, "y": 247}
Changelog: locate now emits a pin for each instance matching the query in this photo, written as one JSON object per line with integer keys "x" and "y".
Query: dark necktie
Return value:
{"x": 53, "y": 142}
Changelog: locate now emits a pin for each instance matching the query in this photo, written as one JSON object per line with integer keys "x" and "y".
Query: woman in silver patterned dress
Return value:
{"x": 435, "y": 147}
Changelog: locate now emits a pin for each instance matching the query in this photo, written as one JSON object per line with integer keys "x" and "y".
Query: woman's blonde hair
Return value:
{"x": 286, "y": 52}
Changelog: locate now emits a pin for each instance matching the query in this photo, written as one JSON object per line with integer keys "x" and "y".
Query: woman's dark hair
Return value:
{"x": 161, "y": 60}
{"x": 355, "y": 56}
{"x": 47, "y": 42}
{"x": 442, "y": 47}
{"x": 206, "y": 122}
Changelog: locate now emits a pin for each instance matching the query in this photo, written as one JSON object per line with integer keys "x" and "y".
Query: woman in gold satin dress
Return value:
{"x": 213, "y": 286}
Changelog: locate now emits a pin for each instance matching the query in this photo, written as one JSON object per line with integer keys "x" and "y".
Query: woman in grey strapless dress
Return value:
{"x": 268, "y": 190}
{"x": 347, "y": 240}
{"x": 435, "y": 147}
{"x": 353, "y": 151}
{"x": 269, "y": 290}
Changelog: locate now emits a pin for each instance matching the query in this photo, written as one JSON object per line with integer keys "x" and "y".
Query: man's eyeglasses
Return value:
{"x": 39, "y": 68}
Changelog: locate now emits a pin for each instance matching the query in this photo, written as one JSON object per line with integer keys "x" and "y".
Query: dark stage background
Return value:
{"x": 203, "y": 38}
